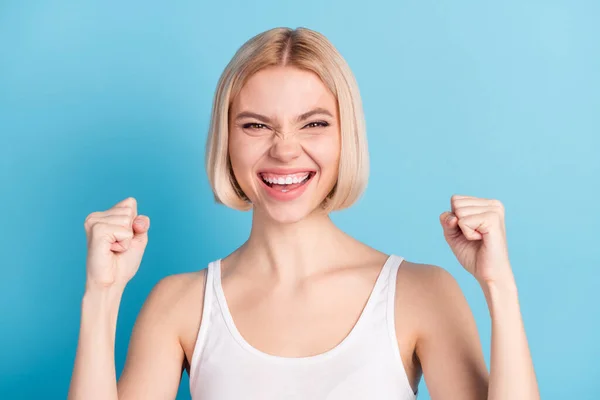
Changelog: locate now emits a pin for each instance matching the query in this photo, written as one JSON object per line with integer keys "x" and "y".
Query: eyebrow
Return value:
{"x": 301, "y": 117}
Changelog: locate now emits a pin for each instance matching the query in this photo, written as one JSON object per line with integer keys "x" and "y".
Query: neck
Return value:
{"x": 292, "y": 251}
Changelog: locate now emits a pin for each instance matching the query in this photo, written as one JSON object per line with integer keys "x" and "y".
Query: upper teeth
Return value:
{"x": 285, "y": 179}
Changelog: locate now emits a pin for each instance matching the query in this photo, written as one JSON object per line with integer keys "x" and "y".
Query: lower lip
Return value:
{"x": 286, "y": 196}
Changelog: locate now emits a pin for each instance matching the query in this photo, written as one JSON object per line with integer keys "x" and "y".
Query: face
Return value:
{"x": 284, "y": 142}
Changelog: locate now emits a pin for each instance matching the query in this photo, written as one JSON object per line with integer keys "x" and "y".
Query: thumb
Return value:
{"x": 141, "y": 224}
{"x": 449, "y": 223}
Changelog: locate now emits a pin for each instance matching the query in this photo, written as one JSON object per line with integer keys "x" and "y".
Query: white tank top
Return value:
{"x": 365, "y": 365}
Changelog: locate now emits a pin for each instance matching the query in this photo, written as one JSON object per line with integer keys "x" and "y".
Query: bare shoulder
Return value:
{"x": 428, "y": 298}
{"x": 171, "y": 298}
{"x": 436, "y": 327}
{"x": 422, "y": 290}
{"x": 157, "y": 351}
{"x": 171, "y": 293}
{"x": 178, "y": 300}
{"x": 426, "y": 281}
{"x": 431, "y": 317}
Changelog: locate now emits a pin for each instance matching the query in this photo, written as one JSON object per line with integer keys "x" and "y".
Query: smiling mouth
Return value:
{"x": 286, "y": 183}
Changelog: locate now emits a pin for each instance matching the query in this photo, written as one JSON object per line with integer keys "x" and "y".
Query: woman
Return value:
{"x": 301, "y": 310}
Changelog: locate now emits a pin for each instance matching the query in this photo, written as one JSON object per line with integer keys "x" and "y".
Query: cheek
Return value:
{"x": 240, "y": 154}
{"x": 325, "y": 151}
{"x": 244, "y": 153}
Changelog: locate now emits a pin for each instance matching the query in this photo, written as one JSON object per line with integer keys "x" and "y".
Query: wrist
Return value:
{"x": 503, "y": 284}
{"x": 102, "y": 301}
{"x": 507, "y": 287}
{"x": 501, "y": 297}
{"x": 103, "y": 289}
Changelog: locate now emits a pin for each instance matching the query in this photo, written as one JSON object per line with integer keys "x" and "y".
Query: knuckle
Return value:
{"x": 493, "y": 216}
{"x": 498, "y": 204}
{"x": 95, "y": 228}
{"x": 89, "y": 220}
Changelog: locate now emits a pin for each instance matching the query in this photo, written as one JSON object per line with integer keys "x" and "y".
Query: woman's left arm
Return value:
{"x": 475, "y": 231}
{"x": 511, "y": 369}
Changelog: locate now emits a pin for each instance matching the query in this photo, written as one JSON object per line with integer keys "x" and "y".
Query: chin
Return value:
{"x": 288, "y": 213}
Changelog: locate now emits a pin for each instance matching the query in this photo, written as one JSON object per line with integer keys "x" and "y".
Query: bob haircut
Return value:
{"x": 305, "y": 49}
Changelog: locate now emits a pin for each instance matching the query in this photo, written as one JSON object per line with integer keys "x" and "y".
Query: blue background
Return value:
{"x": 100, "y": 100}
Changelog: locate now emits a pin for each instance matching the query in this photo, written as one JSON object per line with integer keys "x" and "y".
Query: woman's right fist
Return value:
{"x": 116, "y": 240}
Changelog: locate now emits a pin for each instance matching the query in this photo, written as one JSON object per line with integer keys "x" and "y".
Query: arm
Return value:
{"x": 154, "y": 359}
{"x": 94, "y": 371}
{"x": 511, "y": 368}
{"x": 447, "y": 346}
{"x": 476, "y": 233}
{"x": 449, "y": 349}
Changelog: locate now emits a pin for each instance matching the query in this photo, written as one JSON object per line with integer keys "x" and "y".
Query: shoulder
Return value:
{"x": 426, "y": 280}
{"x": 156, "y": 350}
{"x": 435, "y": 323}
{"x": 173, "y": 289}
{"x": 176, "y": 300}
{"x": 180, "y": 281}
{"x": 428, "y": 297}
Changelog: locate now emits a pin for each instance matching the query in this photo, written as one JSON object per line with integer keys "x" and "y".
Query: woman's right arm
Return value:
{"x": 94, "y": 374}
{"x": 154, "y": 360}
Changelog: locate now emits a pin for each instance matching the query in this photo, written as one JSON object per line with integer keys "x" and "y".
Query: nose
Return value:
{"x": 285, "y": 148}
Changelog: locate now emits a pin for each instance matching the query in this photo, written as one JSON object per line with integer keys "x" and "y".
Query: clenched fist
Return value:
{"x": 116, "y": 241}
{"x": 475, "y": 230}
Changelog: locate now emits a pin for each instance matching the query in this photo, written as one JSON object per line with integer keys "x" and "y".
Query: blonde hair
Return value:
{"x": 309, "y": 50}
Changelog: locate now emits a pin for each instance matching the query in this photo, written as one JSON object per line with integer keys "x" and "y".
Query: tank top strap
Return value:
{"x": 209, "y": 298}
{"x": 378, "y": 304}
{"x": 395, "y": 262}
{"x": 391, "y": 315}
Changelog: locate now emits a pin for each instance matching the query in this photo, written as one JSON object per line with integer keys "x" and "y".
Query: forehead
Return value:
{"x": 284, "y": 92}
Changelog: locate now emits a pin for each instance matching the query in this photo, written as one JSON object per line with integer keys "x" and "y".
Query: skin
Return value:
{"x": 308, "y": 272}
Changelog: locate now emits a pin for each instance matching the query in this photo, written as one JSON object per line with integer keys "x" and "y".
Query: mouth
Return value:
{"x": 286, "y": 182}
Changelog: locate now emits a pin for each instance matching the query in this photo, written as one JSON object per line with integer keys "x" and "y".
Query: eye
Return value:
{"x": 254, "y": 125}
{"x": 317, "y": 124}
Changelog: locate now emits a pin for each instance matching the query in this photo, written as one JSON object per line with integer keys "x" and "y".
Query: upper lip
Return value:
{"x": 284, "y": 171}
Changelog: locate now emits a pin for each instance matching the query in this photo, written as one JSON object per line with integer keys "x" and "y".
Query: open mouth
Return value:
{"x": 286, "y": 183}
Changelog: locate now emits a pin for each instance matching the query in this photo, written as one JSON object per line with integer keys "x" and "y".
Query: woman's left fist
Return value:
{"x": 476, "y": 233}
